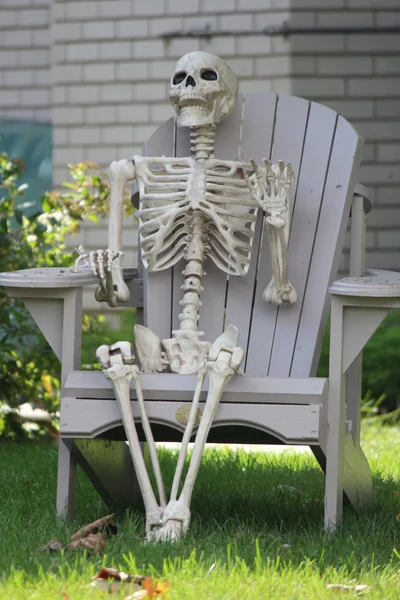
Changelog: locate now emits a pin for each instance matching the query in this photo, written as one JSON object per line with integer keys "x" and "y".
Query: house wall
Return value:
{"x": 110, "y": 72}
{"x": 25, "y": 84}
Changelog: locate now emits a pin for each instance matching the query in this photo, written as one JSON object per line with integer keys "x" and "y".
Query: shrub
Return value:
{"x": 28, "y": 367}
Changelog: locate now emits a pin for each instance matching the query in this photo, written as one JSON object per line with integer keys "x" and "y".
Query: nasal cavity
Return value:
{"x": 190, "y": 81}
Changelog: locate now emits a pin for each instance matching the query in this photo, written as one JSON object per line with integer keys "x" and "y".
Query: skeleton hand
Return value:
{"x": 270, "y": 186}
{"x": 107, "y": 266}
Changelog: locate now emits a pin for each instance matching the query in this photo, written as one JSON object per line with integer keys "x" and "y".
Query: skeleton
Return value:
{"x": 191, "y": 208}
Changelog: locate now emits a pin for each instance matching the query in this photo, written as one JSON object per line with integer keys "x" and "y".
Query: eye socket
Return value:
{"x": 209, "y": 75}
{"x": 179, "y": 77}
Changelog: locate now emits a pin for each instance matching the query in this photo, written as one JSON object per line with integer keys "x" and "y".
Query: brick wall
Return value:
{"x": 24, "y": 60}
{"x": 359, "y": 76}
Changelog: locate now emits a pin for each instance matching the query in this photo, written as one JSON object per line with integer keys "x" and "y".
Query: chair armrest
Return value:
{"x": 48, "y": 278}
{"x": 367, "y": 196}
{"x": 373, "y": 283}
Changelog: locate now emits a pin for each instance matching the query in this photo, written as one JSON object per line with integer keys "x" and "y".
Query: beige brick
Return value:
{"x": 115, "y": 92}
{"x": 33, "y": 58}
{"x": 116, "y": 8}
{"x": 221, "y": 45}
{"x": 60, "y": 136}
{"x": 387, "y": 108}
{"x": 58, "y": 53}
{"x": 379, "y": 130}
{"x": 249, "y": 86}
{"x": 218, "y": 6}
{"x": 148, "y": 49}
{"x": 257, "y": 44}
{"x": 117, "y": 134}
{"x": 132, "y": 70}
{"x": 33, "y": 17}
{"x": 15, "y": 38}
{"x": 388, "y": 18}
{"x": 80, "y": 10}
{"x": 387, "y": 195}
{"x": 149, "y": 91}
{"x": 85, "y": 136}
{"x": 32, "y": 97}
{"x": 9, "y": 97}
{"x": 82, "y": 52}
{"x": 164, "y": 25}
{"x": 181, "y": 7}
{"x": 8, "y": 18}
{"x": 389, "y": 153}
{"x": 373, "y": 43}
{"x": 281, "y": 45}
{"x": 344, "y": 18}
{"x": 42, "y": 115}
{"x": 99, "y": 72}
{"x": 177, "y": 47}
{"x": 326, "y": 4}
{"x": 386, "y": 260}
{"x": 161, "y": 69}
{"x": 276, "y": 19}
{"x": 375, "y": 174}
{"x": 41, "y": 38}
{"x": 133, "y": 113}
{"x": 59, "y": 95}
{"x": 17, "y": 78}
{"x": 83, "y": 94}
{"x": 387, "y": 64}
{"x": 98, "y": 30}
{"x": 115, "y": 50}
{"x": 317, "y": 44}
{"x": 161, "y": 112}
{"x": 141, "y": 133}
{"x": 374, "y": 86}
{"x": 67, "y": 73}
{"x": 377, "y": 4}
{"x": 281, "y": 85}
{"x": 343, "y": 65}
{"x": 20, "y": 114}
{"x": 144, "y": 7}
{"x": 100, "y": 114}
{"x": 273, "y": 65}
{"x": 388, "y": 239}
{"x": 351, "y": 108}
{"x": 303, "y": 65}
{"x": 41, "y": 77}
{"x": 71, "y": 154}
{"x": 243, "y": 67}
{"x": 318, "y": 87}
{"x": 67, "y": 115}
{"x": 384, "y": 216}
{"x": 8, "y": 58}
{"x": 200, "y": 22}
{"x": 132, "y": 28}
{"x": 242, "y": 22}
{"x": 252, "y": 4}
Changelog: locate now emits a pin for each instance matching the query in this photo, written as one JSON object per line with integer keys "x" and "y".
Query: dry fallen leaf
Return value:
{"x": 92, "y": 542}
{"x": 152, "y": 591}
{"x": 395, "y": 493}
{"x": 110, "y": 580}
{"x": 106, "y": 523}
{"x": 52, "y": 546}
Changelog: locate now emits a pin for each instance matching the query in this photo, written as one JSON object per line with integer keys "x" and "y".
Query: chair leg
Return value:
{"x": 66, "y": 481}
{"x": 335, "y": 423}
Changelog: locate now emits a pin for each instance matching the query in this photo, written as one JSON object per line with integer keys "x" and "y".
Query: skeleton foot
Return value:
{"x": 279, "y": 294}
{"x": 175, "y": 523}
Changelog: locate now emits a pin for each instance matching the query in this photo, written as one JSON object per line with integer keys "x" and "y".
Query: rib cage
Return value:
{"x": 171, "y": 188}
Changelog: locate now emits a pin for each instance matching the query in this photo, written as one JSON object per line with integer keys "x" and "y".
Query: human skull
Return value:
{"x": 203, "y": 89}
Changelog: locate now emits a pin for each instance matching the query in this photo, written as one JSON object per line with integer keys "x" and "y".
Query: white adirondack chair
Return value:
{"x": 279, "y": 399}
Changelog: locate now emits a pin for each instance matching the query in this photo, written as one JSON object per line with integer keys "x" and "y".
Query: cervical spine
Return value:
{"x": 202, "y": 147}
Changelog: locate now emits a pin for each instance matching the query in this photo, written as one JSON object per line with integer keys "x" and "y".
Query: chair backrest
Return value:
{"x": 325, "y": 152}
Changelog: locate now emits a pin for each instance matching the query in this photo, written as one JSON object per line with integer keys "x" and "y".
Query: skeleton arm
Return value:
{"x": 107, "y": 264}
{"x": 270, "y": 186}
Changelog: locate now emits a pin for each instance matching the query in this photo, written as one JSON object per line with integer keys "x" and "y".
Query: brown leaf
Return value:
{"x": 110, "y": 573}
{"x": 93, "y": 542}
{"x": 52, "y": 546}
{"x": 106, "y": 523}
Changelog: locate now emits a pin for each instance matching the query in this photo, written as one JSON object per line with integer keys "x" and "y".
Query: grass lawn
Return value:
{"x": 256, "y": 530}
